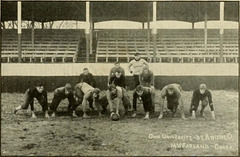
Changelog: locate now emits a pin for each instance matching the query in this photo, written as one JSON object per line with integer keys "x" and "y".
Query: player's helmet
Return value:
{"x": 114, "y": 117}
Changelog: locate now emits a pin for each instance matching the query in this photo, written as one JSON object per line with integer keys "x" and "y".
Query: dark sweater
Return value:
{"x": 197, "y": 96}
{"x": 89, "y": 79}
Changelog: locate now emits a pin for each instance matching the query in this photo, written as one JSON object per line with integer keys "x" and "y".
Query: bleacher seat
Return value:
{"x": 48, "y": 44}
{"x": 186, "y": 45}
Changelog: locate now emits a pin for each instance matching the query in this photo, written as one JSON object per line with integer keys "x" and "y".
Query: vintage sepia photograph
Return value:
{"x": 119, "y": 78}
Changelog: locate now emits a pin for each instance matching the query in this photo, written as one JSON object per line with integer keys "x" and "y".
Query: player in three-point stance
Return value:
{"x": 40, "y": 94}
{"x": 147, "y": 95}
{"x": 117, "y": 94}
{"x": 60, "y": 94}
{"x": 173, "y": 95}
{"x": 86, "y": 94}
{"x": 146, "y": 79}
{"x": 204, "y": 95}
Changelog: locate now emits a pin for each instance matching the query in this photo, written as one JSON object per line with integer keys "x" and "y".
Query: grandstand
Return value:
{"x": 49, "y": 45}
{"x": 104, "y": 45}
{"x": 185, "y": 45}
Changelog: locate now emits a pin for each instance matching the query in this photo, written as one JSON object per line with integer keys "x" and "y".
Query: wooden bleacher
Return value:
{"x": 49, "y": 45}
{"x": 172, "y": 45}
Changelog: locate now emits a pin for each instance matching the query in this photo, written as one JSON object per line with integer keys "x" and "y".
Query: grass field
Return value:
{"x": 64, "y": 135}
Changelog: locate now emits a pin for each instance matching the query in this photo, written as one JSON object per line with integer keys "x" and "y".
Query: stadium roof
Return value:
{"x": 105, "y": 11}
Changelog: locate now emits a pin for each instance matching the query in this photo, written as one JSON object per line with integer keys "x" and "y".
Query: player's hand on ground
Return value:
{"x": 34, "y": 116}
{"x": 202, "y": 115}
{"x": 160, "y": 116}
{"x": 46, "y": 116}
{"x": 85, "y": 116}
{"x": 100, "y": 115}
{"x": 53, "y": 115}
{"x": 146, "y": 118}
{"x": 118, "y": 114}
{"x": 134, "y": 115}
{"x": 184, "y": 118}
{"x": 213, "y": 115}
{"x": 111, "y": 114}
{"x": 74, "y": 115}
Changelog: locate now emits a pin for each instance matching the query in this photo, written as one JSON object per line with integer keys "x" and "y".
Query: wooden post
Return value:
{"x": 221, "y": 30}
{"x": 32, "y": 31}
{"x": 205, "y": 32}
{"x": 154, "y": 31}
{"x": 87, "y": 31}
{"x": 91, "y": 30}
{"x": 42, "y": 25}
{"x": 19, "y": 18}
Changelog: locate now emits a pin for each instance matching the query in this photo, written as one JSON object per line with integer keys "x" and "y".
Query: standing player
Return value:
{"x": 60, "y": 94}
{"x": 146, "y": 77}
{"x": 118, "y": 79}
{"x": 117, "y": 94}
{"x": 135, "y": 67}
{"x": 86, "y": 94}
{"x": 113, "y": 70}
{"x": 204, "y": 95}
{"x": 147, "y": 95}
{"x": 87, "y": 77}
{"x": 40, "y": 94}
{"x": 174, "y": 98}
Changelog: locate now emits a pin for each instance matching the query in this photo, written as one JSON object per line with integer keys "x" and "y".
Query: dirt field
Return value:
{"x": 170, "y": 136}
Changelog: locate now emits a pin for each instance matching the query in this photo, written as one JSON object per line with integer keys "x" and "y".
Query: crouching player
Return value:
{"x": 86, "y": 94}
{"x": 118, "y": 94}
{"x": 60, "y": 94}
{"x": 147, "y": 95}
{"x": 40, "y": 94}
{"x": 174, "y": 98}
{"x": 203, "y": 95}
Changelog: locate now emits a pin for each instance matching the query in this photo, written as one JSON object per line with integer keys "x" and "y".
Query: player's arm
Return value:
{"x": 110, "y": 75}
{"x": 145, "y": 62}
{"x": 152, "y": 78}
{"x": 118, "y": 100}
{"x": 140, "y": 78}
{"x": 161, "y": 102}
{"x": 180, "y": 102}
{"x": 129, "y": 66}
{"x": 71, "y": 100}
{"x": 80, "y": 79}
{"x": 93, "y": 82}
{"x": 32, "y": 107}
{"x": 84, "y": 105}
{"x": 123, "y": 81}
{"x": 110, "y": 102}
{"x": 111, "y": 80}
{"x": 123, "y": 71}
{"x": 209, "y": 95}
{"x": 181, "y": 106}
{"x": 97, "y": 104}
{"x": 45, "y": 104}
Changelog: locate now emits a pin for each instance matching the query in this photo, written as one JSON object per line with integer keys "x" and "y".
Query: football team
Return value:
{"x": 90, "y": 97}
